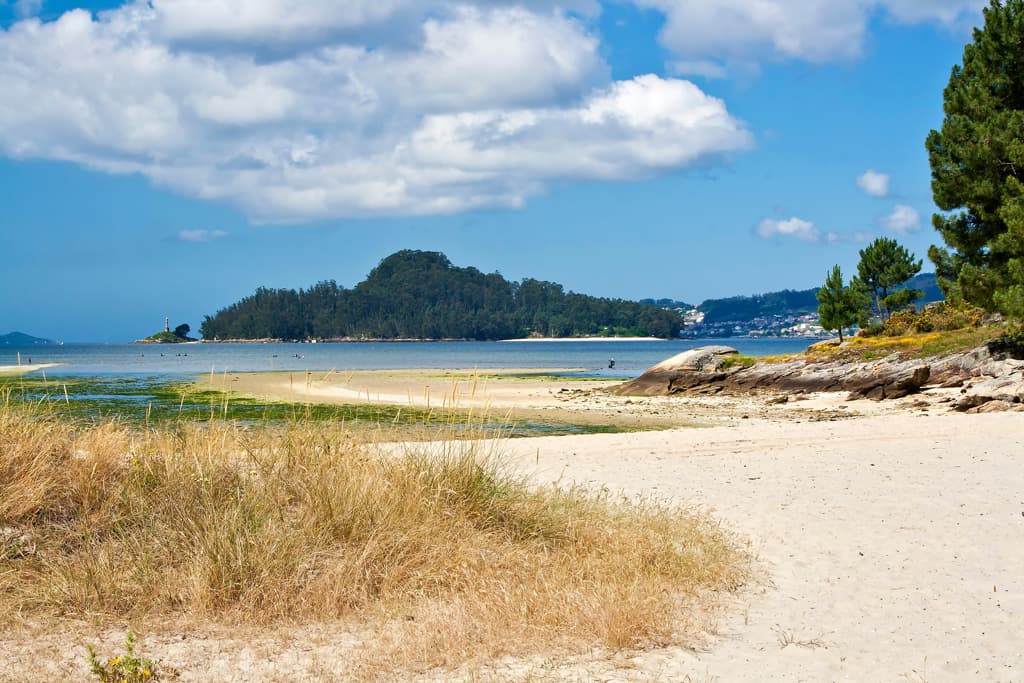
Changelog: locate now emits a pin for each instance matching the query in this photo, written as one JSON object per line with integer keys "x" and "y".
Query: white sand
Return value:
{"x": 894, "y": 544}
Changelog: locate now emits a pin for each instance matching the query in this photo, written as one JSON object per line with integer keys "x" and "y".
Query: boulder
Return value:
{"x": 992, "y": 407}
{"x": 984, "y": 375}
{"x": 696, "y": 367}
{"x": 701, "y": 359}
{"x": 887, "y": 385}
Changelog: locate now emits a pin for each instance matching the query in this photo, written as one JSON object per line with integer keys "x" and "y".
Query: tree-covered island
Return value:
{"x": 421, "y": 295}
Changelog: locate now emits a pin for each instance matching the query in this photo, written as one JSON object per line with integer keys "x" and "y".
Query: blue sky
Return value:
{"x": 167, "y": 158}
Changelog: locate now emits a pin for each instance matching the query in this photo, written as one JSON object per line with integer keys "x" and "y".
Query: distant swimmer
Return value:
{"x": 611, "y": 362}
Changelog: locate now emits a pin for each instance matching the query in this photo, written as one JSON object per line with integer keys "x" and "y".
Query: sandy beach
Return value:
{"x": 886, "y": 535}
{"x": 890, "y": 542}
{"x": 9, "y": 370}
{"x": 551, "y": 394}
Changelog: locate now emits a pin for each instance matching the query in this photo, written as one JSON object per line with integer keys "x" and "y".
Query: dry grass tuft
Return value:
{"x": 443, "y": 554}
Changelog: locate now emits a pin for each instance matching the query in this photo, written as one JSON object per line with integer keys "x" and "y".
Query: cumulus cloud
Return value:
{"x": 481, "y": 106}
{"x": 796, "y": 228}
{"x": 874, "y": 183}
{"x": 902, "y": 219}
{"x": 737, "y": 32}
{"x": 215, "y": 22}
{"x": 200, "y": 235}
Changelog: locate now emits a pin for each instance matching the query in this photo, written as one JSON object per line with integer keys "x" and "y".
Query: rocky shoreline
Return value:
{"x": 989, "y": 380}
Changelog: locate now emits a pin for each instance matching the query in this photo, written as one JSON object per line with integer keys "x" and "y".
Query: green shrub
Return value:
{"x": 1010, "y": 343}
{"x": 126, "y": 668}
{"x": 901, "y": 323}
{"x": 739, "y": 361}
{"x": 874, "y": 329}
{"x": 941, "y": 317}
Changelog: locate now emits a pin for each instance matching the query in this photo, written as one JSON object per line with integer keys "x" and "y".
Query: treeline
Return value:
{"x": 421, "y": 295}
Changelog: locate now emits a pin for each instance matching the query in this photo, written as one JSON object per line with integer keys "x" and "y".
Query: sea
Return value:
{"x": 605, "y": 358}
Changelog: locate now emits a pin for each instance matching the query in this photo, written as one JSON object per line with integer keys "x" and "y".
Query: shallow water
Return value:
{"x": 591, "y": 357}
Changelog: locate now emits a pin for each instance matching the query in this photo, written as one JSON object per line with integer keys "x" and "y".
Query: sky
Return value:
{"x": 165, "y": 158}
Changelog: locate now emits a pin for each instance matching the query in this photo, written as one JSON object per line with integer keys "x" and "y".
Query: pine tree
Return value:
{"x": 976, "y": 160}
{"x": 839, "y": 306}
{"x": 884, "y": 266}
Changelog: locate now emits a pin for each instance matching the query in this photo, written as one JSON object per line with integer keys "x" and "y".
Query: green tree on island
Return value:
{"x": 884, "y": 266}
{"x": 977, "y": 161}
{"x": 840, "y": 307}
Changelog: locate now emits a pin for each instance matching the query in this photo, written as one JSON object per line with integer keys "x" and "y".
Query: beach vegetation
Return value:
{"x": 941, "y": 317}
{"x": 435, "y": 553}
{"x": 909, "y": 345}
{"x": 884, "y": 268}
{"x": 738, "y": 360}
{"x": 124, "y": 668}
{"x": 162, "y": 401}
{"x": 841, "y": 306}
{"x": 977, "y": 161}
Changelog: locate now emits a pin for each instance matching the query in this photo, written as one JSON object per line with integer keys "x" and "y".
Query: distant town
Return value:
{"x": 787, "y": 313}
{"x": 779, "y": 325}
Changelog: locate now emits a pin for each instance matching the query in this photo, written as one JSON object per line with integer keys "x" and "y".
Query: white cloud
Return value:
{"x": 27, "y": 8}
{"x": 874, "y": 183}
{"x": 200, "y": 235}
{"x": 436, "y": 123}
{"x": 698, "y": 67}
{"x": 797, "y": 228}
{"x": 736, "y": 32}
{"x": 902, "y": 220}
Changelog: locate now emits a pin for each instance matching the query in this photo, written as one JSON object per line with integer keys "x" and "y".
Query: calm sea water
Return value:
{"x": 631, "y": 357}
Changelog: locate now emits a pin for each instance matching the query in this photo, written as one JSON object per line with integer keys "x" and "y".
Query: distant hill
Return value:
{"x": 791, "y": 302}
{"x": 22, "y": 339}
{"x": 421, "y": 295}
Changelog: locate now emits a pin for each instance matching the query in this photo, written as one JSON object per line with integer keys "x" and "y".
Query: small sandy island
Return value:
{"x": 8, "y": 370}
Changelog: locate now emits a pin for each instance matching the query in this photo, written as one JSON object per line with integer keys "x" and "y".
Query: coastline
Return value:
{"x": 350, "y": 340}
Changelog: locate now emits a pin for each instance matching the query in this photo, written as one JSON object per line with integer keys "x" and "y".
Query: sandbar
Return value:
{"x": 7, "y": 370}
{"x": 550, "y": 394}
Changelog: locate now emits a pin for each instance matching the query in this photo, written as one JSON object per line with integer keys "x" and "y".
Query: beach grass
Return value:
{"x": 152, "y": 400}
{"x": 437, "y": 553}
